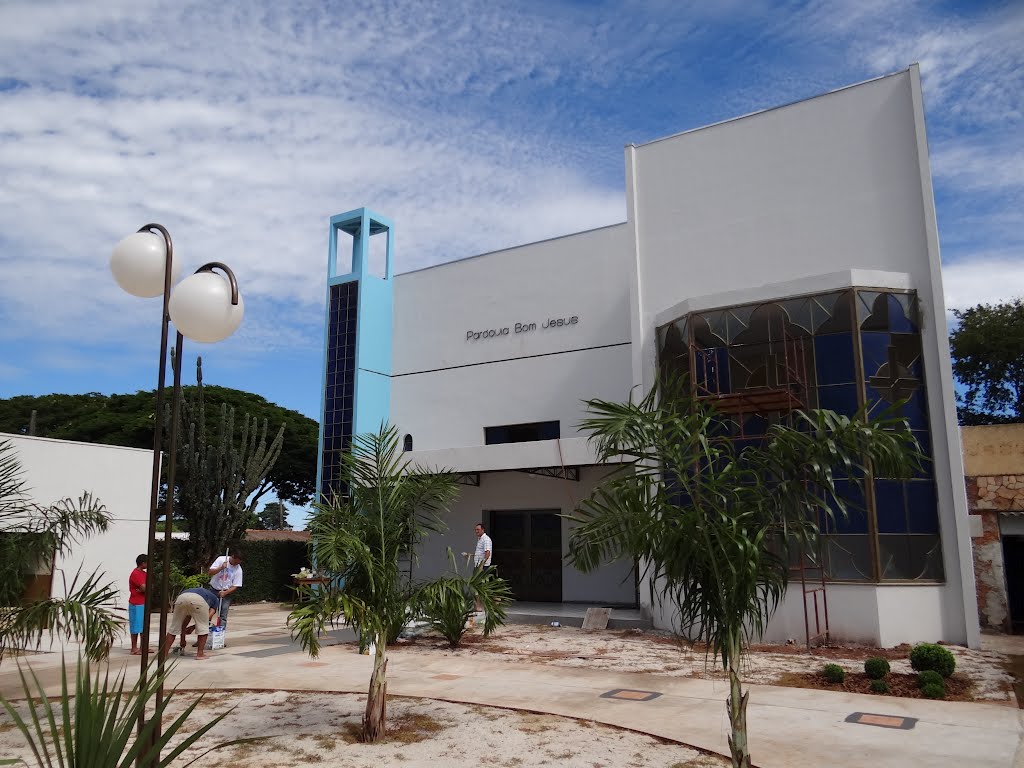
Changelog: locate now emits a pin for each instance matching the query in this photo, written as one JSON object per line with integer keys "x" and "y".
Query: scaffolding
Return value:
{"x": 781, "y": 387}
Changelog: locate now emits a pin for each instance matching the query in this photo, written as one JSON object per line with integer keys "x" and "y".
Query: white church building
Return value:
{"x": 785, "y": 258}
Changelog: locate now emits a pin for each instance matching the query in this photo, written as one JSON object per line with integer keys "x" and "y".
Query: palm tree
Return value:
{"x": 358, "y": 540}
{"x": 93, "y": 723}
{"x": 717, "y": 526}
{"x": 32, "y": 535}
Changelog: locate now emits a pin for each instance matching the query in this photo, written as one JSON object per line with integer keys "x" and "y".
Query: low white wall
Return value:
{"x": 118, "y": 477}
{"x": 919, "y": 614}
{"x": 882, "y": 615}
{"x": 521, "y": 491}
{"x": 853, "y": 615}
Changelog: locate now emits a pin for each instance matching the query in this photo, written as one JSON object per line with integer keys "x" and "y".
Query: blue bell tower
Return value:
{"x": 356, "y": 393}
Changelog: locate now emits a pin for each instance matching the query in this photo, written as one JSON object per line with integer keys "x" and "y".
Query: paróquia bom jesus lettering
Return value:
{"x": 550, "y": 323}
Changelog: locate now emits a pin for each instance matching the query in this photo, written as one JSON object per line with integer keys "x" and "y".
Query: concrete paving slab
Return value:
{"x": 789, "y": 727}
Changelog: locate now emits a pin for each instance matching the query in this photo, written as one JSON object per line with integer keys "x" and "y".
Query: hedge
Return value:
{"x": 267, "y": 568}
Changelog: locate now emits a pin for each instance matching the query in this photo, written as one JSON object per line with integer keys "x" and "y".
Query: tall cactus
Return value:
{"x": 219, "y": 473}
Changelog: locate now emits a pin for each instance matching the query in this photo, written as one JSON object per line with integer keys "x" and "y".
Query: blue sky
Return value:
{"x": 243, "y": 126}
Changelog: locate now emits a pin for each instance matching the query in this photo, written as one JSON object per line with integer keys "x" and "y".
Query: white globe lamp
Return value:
{"x": 139, "y": 262}
{"x": 201, "y": 308}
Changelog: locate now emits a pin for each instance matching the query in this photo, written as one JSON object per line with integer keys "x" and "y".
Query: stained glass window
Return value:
{"x": 839, "y": 351}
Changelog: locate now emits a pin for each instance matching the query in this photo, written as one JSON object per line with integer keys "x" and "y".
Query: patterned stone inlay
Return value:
{"x": 630, "y": 695}
{"x": 882, "y": 721}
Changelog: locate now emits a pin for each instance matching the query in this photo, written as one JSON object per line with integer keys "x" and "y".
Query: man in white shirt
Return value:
{"x": 482, "y": 556}
{"x": 225, "y": 579}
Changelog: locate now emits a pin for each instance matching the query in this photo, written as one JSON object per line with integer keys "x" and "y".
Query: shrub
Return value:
{"x": 879, "y": 686}
{"x": 876, "y": 668}
{"x": 180, "y": 582}
{"x": 447, "y": 606}
{"x": 929, "y": 656}
{"x": 834, "y": 673}
{"x": 930, "y": 677}
{"x": 448, "y": 602}
{"x": 934, "y": 691}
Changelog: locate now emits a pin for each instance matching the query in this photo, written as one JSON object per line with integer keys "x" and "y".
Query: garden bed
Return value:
{"x": 980, "y": 675}
{"x": 958, "y": 687}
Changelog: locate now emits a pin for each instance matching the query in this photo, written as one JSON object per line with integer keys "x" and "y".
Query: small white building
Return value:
{"x": 784, "y": 258}
{"x": 118, "y": 477}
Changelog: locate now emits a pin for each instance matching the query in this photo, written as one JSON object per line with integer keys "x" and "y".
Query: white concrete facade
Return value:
{"x": 118, "y": 477}
{"x": 828, "y": 193}
{"x": 796, "y": 196}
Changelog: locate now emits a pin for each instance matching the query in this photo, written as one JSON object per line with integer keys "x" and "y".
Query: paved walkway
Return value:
{"x": 789, "y": 727}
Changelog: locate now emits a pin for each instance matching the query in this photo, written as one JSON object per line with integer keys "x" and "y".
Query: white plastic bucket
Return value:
{"x": 216, "y": 639}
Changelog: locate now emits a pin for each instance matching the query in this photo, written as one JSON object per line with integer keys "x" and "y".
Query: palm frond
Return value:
{"x": 85, "y": 613}
{"x": 94, "y": 725}
{"x": 714, "y": 526}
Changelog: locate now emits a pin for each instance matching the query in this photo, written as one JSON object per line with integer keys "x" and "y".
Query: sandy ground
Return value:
{"x": 305, "y": 728}
{"x": 300, "y": 728}
{"x": 663, "y": 654}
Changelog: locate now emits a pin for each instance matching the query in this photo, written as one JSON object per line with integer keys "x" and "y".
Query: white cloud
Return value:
{"x": 243, "y": 128}
{"x": 243, "y": 132}
{"x": 986, "y": 278}
{"x": 974, "y": 165}
{"x": 973, "y": 69}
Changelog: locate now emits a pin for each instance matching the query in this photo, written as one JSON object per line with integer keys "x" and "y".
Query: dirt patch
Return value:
{"x": 420, "y": 732}
{"x": 958, "y": 687}
{"x": 853, "y": 652}
{"x": 662, "y": 653}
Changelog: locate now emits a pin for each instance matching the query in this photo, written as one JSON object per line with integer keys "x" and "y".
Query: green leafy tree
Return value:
{"x": 273, "y": 517}
{"x": 128, "y": 420}
{"x": 219, "y": 474}
{"x": 716, "y": 526}
{"x": 32, "y": 535}
{"x": 359, "y": 540}
{"x": 988, "y": 359}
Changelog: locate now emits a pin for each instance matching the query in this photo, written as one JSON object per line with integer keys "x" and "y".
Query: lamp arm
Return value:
{"x": 212, "y": 266}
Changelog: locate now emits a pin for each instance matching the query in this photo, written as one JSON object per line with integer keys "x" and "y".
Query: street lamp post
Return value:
{"x": 206, "y": 308}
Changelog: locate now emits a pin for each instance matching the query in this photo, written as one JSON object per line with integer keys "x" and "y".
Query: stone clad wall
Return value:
{"x": 1002, "y": 493}
{"x": 994, "y": 463}
{"x": 987, "y": 497}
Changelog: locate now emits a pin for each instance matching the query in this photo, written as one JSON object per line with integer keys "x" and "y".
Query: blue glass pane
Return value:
{"x": 916, "y": 410}
{"x": 890, "y": 508}
{"x": 876, "y": 403}
{"x": 748, "y": 442}
{"x": 339, "y": 381}
{"x": 834, "y": 359}
{"x": 841, "y": 398}
{"x": 854, "y": 519}
{"x": 755, "y": 425}
{"x": 848, "y": 557}
{"x": 924, "y": 440}
{"x": 922, "y": 507}
{"x": 719, "y": 426}
{"x": 910, "y": 557}
{"x": 898, "y": 321}
{"x": 711, "y": 370}
{"x": 876, "y": 351}
{"x": 908, "y": 353}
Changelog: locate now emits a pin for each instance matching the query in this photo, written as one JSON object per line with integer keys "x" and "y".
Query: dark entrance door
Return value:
{"x": 528, "y": 553}
{"x": 1013, "y": 563}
